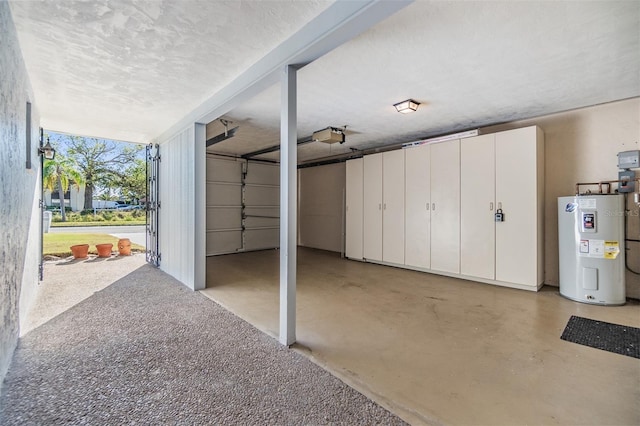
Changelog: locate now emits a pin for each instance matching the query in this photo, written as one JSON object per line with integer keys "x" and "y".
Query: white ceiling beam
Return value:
{"x": 340, "y": 22}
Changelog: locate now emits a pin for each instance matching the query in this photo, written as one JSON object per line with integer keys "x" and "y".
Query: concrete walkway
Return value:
{"x": 126, "y": 343}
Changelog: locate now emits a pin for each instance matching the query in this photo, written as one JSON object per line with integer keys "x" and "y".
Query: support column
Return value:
{"x": 200, "y": 207}
{"x": 288, "y": 205}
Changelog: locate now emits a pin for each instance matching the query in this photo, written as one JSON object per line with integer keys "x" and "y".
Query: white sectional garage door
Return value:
{"x": 224, "y": 206}
{"x": 262, "y": 206}
{"x": 243, "y": 201}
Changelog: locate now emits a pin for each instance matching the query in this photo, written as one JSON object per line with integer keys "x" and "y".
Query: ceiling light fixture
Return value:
{"x": 407, "y": 106}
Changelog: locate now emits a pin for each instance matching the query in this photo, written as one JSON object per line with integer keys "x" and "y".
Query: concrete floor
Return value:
{"x": 435, "y": 349}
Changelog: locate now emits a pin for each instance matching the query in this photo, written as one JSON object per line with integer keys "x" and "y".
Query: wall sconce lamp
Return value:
{"x": 48, "y": 151}
{"x": 407, "y": 106}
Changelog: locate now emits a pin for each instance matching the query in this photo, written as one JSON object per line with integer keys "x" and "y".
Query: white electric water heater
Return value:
{"x": 591, "y": 243}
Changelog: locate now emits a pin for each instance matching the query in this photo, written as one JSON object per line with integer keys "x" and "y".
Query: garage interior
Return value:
{"x": 422, "y": 344}
{"x": 425, "y": 343}
{"x": 430, "y": 346}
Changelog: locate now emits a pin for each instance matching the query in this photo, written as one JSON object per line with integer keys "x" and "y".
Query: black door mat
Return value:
{"x": 619, "y": 339}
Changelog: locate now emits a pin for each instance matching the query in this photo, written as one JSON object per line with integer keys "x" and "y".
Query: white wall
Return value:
{"x": 76, "y": 202}
{"x": 19, "y": 192}
{"x": 320, "y": 206}
{"x": 581, "y": 146}
{"x": 181, "y": 217}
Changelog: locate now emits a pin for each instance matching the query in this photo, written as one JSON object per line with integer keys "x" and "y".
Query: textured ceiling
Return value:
{"x": 127, "y": 69}
{"x": 469, "y": 63}
{"x": 130, "y": 69}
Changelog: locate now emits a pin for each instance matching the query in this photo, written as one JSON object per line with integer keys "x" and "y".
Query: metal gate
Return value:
{"x": 41, "y": 201}
{"x": 153, "y": 204}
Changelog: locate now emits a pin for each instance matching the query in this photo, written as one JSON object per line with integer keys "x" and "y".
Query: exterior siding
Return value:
{"x": 182, "y": 210}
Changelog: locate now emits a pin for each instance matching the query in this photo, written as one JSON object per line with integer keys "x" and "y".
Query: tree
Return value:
{"x": 100, "y": 161}
{"x": 58, "y": 174}
{"x": 133, "y": 183}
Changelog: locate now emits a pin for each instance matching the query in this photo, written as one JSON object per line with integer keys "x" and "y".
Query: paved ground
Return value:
{"x": 136, "y": 233}
{"x": 135, "y": 346}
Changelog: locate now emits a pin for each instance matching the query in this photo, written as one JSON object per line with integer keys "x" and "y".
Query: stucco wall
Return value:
{"x": 20, "y": 229}
{"x": 581, "y": 146}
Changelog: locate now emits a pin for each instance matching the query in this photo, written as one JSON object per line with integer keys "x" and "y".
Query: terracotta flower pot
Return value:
{"x": 104, "y": 250}
{"x": 80, "y": 251}
{"x": 124, "y": 247}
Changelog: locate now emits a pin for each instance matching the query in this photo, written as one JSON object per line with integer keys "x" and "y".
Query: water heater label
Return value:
{"x": 584, "y": 246}
{"x": 592, "y": 248}
{"x": 589, "y": 222}
{"x": 587, "y": 203}
{"x": 611, "y": 249}
{"x": 599, "y": 248}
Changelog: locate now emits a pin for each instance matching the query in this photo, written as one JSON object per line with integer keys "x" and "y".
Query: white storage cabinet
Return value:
{"x": 446, "y": 195}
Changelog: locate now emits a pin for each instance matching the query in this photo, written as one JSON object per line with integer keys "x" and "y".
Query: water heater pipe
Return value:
{"x": 601, "y": 183}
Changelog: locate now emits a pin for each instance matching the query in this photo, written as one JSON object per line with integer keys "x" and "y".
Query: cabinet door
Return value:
{"x": 477, "y": 207}
{"x": 353, "y": 222}
{"x": 417, "y": 207}
{"x": 445, "y": 206}
{"x": 516, "y": 194}
{"x": 393, "y": 206}
{"x": 372, "y": 214}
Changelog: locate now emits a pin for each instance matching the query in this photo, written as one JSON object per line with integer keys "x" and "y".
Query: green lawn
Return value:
{"x": 59, "y": 244}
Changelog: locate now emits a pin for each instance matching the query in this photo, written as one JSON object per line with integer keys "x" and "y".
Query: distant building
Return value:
{"x": 74, "y": 198}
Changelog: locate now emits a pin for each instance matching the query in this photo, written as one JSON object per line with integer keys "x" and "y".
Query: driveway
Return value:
{"x": 136, "y": 233}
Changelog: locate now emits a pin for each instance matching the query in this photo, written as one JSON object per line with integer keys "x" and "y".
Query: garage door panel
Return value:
{"x": 219, "y": 242}
{"x": 256, "y": 239}
{"x": 223, "y": 171}
{"x": 263, "y": 174}
{"x": 223, "y": 195}
{"x": 259, "y": 222}
{"x": 224, "y": 218}
{"x": 262, "y": 196}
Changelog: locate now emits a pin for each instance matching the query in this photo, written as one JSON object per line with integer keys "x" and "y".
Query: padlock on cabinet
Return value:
{"x": 499, "y": 215}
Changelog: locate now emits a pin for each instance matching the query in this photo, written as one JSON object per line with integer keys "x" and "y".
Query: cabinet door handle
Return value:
{"x": 385, "y": 206}
{"x": 427, "y": 206}
{"x": 433, "y": 206}
{"x": 491, "y": 206}
{"x": 379, "y": 206}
